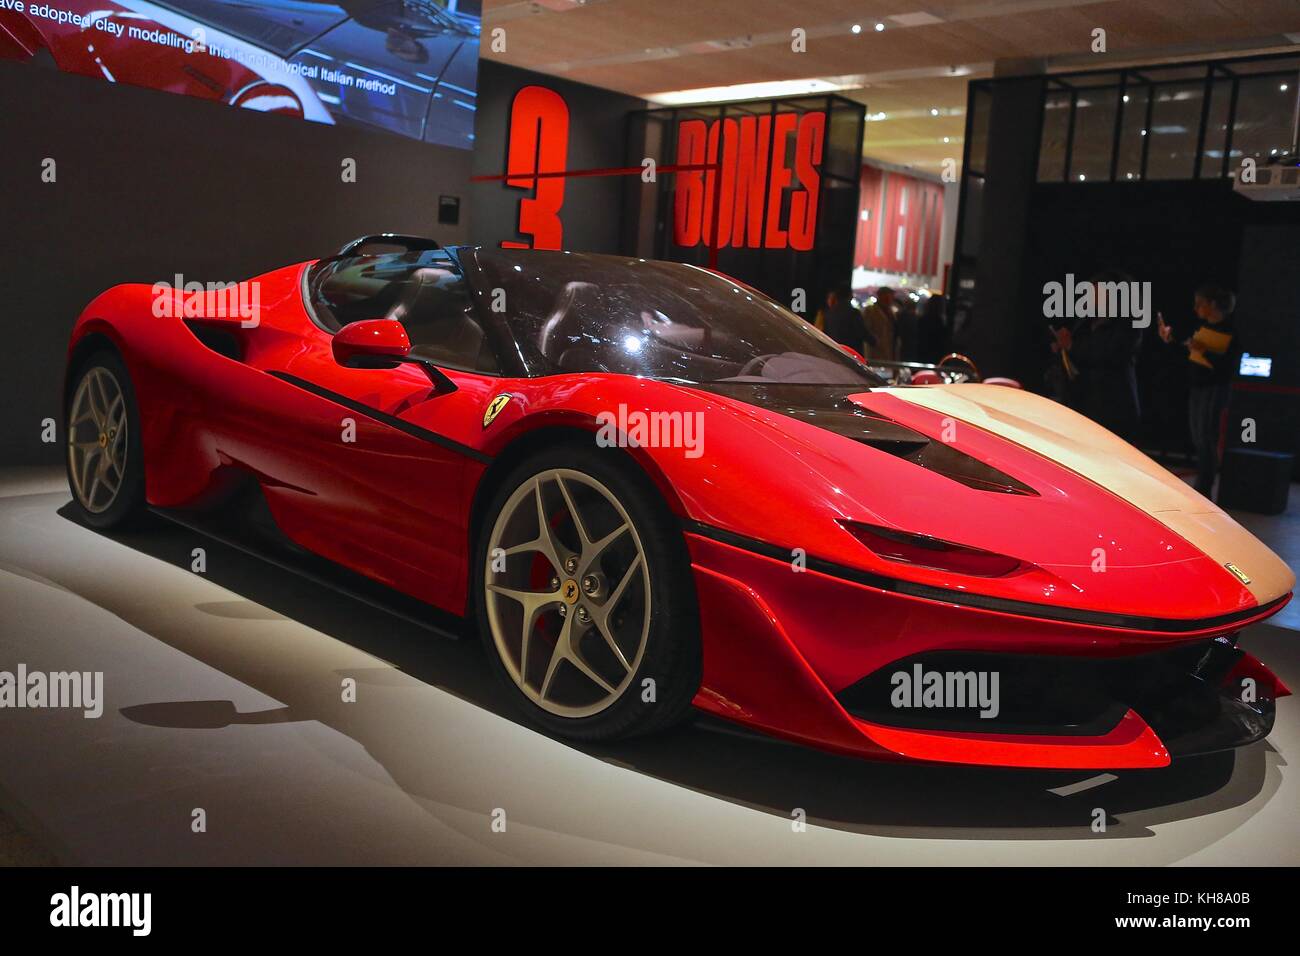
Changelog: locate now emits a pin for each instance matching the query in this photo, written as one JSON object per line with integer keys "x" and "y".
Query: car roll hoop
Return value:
{"x": 408, "y": 243}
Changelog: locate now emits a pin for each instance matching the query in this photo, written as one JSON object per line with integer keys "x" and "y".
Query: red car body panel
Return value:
{"x": 395, "y": 503}
{"x": 781, "y": 645}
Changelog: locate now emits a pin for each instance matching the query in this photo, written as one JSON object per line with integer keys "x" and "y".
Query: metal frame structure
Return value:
{"x": 670, "y": 116}
{"x": 1227, "y": 70}
{"x": 1218, "y": 78}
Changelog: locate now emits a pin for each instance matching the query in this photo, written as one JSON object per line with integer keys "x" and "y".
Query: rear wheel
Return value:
{"x": 105, "y": 463}
{"x": 585, "y": 601}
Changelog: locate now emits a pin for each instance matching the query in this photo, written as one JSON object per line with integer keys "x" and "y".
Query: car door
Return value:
{"x": 389, "y": 490}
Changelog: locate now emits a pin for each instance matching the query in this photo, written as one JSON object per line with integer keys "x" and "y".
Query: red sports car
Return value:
{"x": 655, "y": 489}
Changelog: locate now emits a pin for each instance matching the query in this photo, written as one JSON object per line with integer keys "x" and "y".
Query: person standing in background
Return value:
{"x": 1102, "y": 354}
{"x": 1210, "y": 351}
{"x": 881, "y": 330}
{"x": 843, "y": 322}
{"x": 932, "y": 330}
{"x": 907, "y": 320}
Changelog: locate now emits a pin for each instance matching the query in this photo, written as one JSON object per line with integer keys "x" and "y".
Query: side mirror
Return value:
{"x": 374, "y": 343}
{"x": 383, "y": 343}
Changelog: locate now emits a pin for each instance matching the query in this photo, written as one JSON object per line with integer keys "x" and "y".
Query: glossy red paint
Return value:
{"x": 370, "y": 338}
{"x": 379, "y": 471}
{"x": 779, "y": 644}
{"x": 1267, "y": 683}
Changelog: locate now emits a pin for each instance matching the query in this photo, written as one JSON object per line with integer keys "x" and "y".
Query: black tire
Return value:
{"x": 128, "y": 506}
{"x": 672, "y": 656}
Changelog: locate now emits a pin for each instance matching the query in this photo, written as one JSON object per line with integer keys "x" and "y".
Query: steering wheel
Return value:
{"x": 958, "y": 357}
{"x": 754, "y": 365}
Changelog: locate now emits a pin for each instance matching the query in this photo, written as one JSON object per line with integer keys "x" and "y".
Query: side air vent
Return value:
{"x": 222, "y": 341}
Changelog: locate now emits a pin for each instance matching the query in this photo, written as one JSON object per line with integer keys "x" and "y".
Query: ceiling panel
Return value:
{"x": 644, "y": 47}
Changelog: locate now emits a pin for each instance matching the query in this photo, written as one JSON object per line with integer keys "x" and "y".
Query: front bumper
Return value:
{"x": 805, "y": 655}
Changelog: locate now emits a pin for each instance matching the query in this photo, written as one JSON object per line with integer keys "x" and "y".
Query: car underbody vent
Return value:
{"x": 1183, "y": 693}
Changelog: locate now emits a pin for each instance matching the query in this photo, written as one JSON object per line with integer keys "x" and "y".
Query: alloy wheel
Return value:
{"x": 97, "y": 440}
{"x": 568, "y": 593}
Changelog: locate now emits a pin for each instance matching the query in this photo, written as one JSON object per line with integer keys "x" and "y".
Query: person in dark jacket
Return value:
{"x": 1102, "y": 352}
{"x": 843, "y": 322}
{"x": 907, "y": 327}
{"x": 1211, "y": 355}
{"x": 932, "y": 330}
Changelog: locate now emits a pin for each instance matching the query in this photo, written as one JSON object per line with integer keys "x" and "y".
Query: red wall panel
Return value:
{"x": 903, "y": 223}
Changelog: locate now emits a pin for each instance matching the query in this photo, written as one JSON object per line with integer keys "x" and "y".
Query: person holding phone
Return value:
{"x": 1098, "y": 374}
{"x": 1210, "y": 350}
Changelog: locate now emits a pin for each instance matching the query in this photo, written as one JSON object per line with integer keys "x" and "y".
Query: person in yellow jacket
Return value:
{"x": 882, "y": 326}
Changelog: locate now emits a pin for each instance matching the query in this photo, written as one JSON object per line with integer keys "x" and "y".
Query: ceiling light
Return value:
{"x": 934, "y": 112}
{"x": 1125, "y": 97}
{"x": 879, "y": 27}
{"x": 945, "y": 139}
{"x": 1282, "y": 87}
{"x": 857, "y": 28}
{"x": 747, "y": 91}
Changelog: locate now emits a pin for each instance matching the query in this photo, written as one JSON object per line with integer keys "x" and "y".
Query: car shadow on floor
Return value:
{"x": 706, "y": 755}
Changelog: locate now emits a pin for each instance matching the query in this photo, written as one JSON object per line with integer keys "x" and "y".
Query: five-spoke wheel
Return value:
{"x": 568, "y": 592}
{"x": 97, "y": 445}
{"x": 105, "y": 470}
{"x": 585, "y": 596}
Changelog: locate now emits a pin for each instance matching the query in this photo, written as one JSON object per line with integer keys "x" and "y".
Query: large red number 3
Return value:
{"x": 539, "y": 143}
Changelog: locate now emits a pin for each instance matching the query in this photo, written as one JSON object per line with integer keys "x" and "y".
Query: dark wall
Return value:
{"x": 593, "y": 207}
{"x": 1176, "y": 235}
{"x": 1269, "y": 309}
{"x": 150, "y": 184}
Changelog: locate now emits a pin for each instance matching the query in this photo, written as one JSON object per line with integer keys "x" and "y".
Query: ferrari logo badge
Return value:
{"x": 495, "y": 407}
{"x": 1237, "y": 573}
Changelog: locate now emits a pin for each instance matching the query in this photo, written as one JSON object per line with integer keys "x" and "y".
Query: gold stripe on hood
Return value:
{"x": 1080, "y": 444}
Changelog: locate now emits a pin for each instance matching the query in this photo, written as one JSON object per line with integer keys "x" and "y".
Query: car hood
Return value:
{"x": 987, "y": 467}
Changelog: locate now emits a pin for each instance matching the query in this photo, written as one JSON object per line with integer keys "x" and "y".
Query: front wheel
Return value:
{"x": 105, "y": 461}
{"x": 584, "y": 596}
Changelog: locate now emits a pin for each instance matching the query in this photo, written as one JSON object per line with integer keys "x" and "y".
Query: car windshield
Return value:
{"x": 577, "y": 312}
